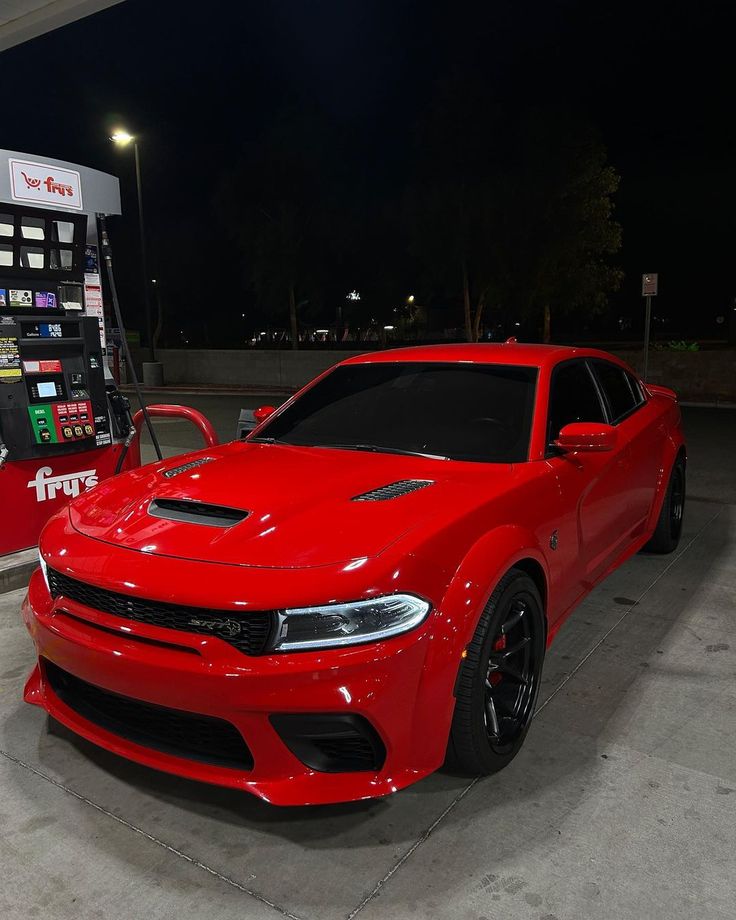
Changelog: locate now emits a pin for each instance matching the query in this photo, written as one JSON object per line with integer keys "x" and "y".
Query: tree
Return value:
{"x": 560, "y": 234}
{"x": 283, "y": 202}
{"x": 512, "y": 212}
{"x": 451, "y": 208}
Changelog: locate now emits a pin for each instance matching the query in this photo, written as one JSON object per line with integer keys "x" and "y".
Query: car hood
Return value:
{"x": 299, "y": 502}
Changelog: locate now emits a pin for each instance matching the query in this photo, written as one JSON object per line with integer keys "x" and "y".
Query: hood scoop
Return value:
{"x": 191, "y": 512}
{"x": 393, "y": 490}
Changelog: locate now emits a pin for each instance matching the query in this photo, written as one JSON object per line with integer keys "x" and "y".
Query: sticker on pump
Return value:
{"x": 21, "y": 298}
{"x": 10, "y": 370}
{"x": 42, "y": 367}
{"x": 45, "y": 300}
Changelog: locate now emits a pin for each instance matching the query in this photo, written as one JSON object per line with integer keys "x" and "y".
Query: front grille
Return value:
{"x": 173, "y": 731}
{"x": 393, "y": 490}
{"x": 248, "y": 632}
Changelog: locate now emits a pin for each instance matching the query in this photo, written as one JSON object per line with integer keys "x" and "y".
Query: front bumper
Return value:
{"x": 381, "y": 682}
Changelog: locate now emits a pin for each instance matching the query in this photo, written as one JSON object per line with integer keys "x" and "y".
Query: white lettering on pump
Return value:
{"x": 47, "y": 485}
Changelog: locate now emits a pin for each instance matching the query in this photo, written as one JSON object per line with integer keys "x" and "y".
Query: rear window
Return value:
{"x": 480, "y": 412}
{"x": 621, "y": 391}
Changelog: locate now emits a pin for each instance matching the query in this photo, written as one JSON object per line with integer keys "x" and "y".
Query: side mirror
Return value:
{"x": 262, "y": 413}
{"x": 586, "y": 437}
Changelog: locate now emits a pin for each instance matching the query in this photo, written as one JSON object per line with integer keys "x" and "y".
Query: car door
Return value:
{"x": 639, "y": 432}
{"x": 593, "y": 485}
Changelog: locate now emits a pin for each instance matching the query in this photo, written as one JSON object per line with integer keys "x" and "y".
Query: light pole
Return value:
{"x": 122, "y": 138}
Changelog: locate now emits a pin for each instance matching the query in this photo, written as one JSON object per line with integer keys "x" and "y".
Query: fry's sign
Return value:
{"x": 47, "y": 485}
{"x": 44, "y": 184}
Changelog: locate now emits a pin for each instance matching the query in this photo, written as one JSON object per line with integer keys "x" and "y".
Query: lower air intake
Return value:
{"x": 331, "y": 742}
{"x": 172, "y": 731}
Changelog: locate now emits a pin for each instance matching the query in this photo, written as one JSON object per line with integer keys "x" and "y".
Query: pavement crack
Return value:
{"x": 138, "y": 830}
{"x": 417, "y": 843}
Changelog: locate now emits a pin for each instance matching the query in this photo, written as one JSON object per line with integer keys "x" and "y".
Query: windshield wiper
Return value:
{"x": 377, "y": 449}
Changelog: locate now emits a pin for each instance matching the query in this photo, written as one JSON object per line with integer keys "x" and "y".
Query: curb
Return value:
{"x": 16, "y": 569}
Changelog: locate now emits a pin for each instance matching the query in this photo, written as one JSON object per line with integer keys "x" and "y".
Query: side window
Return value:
{"x": 635, "y": 389}
{"x": 573, "y": 398}
{"x": 621, "y": 394}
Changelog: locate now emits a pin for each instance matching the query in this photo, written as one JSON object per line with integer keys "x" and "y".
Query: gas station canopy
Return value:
{"x": 22, "y": 20}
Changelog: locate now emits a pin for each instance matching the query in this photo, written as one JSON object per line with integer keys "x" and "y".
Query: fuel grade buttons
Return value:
{"x": 42, "y": 423}
{"x": 70, "y": 417}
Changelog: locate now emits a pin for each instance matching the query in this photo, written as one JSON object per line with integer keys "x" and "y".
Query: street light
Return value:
{"x": 122, "y": 138}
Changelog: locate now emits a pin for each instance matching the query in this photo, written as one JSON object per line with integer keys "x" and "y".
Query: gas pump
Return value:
{"x": 62, "y": 422}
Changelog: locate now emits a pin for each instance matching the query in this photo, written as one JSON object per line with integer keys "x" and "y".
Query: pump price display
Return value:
{"x": 49, "y": 330}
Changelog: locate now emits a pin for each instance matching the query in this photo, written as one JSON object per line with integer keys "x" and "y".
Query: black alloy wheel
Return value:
{"x": 511, "y": 678}
{"x": 677, "y": 501}
{"x": 498, "y": 683}
{"x": 666, "y": 536}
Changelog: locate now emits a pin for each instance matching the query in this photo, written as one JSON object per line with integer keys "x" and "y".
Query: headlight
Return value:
{"x": 45, "y": 570}
{"x": 348, "y": 624}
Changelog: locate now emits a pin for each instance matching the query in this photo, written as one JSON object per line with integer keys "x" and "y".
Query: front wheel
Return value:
{"x": 499, "y": 679}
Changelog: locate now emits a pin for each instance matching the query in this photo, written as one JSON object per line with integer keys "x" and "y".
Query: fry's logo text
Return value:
{"x": 71, "y": 484}
{"x": 52, "y": 186}
{"x": 47, "y": 182}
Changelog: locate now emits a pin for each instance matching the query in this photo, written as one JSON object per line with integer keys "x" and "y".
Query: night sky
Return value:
{"x": 200, "y": 81}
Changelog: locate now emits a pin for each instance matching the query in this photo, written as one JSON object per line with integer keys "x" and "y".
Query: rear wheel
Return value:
{"x": 499, "y": 679}
{"x": 669, "y": 525}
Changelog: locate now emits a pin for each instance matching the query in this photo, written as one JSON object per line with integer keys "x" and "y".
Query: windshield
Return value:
{"x": 478, "y": 412}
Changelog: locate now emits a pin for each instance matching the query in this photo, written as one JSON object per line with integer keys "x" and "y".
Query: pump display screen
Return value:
{"x": 47, "y": 390}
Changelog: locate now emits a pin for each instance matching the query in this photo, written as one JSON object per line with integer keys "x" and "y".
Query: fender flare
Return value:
{"x": 458, "y": 613}
{"x": 482, "y": 568}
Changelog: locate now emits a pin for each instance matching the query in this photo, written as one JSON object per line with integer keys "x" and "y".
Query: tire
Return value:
{"x": 669, "y": 524}
{"x": 508, "y": 644}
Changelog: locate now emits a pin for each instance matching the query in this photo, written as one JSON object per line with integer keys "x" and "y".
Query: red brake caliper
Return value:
{"x": 498, "y": 646}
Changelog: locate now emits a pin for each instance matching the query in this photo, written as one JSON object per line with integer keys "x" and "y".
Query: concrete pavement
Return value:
{"x": 621, "y": 805}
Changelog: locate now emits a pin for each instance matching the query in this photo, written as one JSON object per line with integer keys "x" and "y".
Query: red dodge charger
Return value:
{"x": 365, "y": 586}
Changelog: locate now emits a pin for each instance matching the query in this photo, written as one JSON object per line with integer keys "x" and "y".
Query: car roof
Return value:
{"x": 531, "y": 355}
